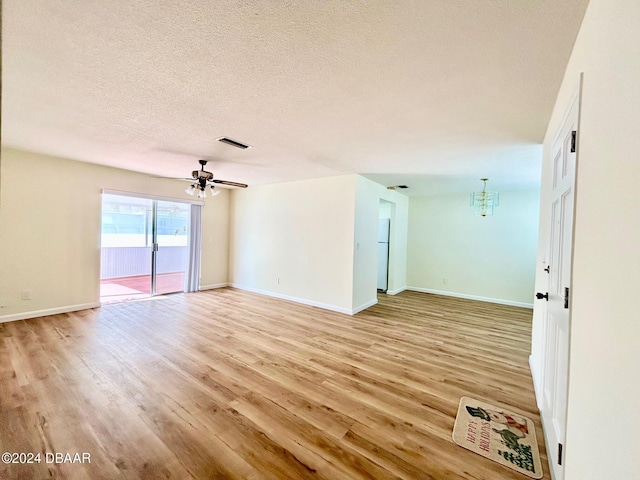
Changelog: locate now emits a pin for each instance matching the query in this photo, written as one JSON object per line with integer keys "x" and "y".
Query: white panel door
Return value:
{"x": 557, "y": 320}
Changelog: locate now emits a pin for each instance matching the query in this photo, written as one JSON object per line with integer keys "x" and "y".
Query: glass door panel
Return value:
{"x": 172, "y": 246}
{"x": 125, "y": 268}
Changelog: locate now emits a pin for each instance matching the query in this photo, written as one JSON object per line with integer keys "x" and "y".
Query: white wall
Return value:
{"x": 365, "y": 255}
{"x": 490, "y": 258}
{"x": 365, "y": 264}
{"x": 603, "y": 424}
{"x": 300, "y": 233}
{"x": 318, "y": 237}
{"x": 50, "y": 230}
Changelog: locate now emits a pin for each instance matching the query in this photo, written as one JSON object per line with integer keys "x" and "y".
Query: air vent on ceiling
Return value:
{"x": 397, "y": 186}
{"x": 233, "y": 143}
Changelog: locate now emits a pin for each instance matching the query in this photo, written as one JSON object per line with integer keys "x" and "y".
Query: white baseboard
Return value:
{"x": 364, "y": 306}
{"x": 48, "y": 311}
{"x": 215, "y": 285}
{"x": 472, "y": 297}
{"x": 396, "y": 291}
{"x": 303, "y": 301}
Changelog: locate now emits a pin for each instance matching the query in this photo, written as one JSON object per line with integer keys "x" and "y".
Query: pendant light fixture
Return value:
{"x": 484, "y": 201}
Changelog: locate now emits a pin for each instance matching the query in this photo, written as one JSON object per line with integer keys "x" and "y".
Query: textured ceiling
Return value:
{"x": 431, "y": 93}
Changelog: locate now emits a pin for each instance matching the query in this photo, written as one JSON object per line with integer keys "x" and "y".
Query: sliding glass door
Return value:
{"x": 145, "y": 247}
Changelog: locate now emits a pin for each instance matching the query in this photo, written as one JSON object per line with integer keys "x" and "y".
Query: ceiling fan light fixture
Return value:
{"x": 214, "y": 191}
{"x": 191, "y": 190}
{"x": 202, "y": 194}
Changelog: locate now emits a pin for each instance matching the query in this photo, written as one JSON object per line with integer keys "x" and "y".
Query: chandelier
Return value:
{"x": 484, "y": 201}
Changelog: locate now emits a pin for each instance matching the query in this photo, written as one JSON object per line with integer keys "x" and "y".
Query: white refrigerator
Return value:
{"x": 383, "y": 254}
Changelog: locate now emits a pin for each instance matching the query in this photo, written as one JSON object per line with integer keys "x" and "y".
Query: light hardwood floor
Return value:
{"x": 229, "y": 384}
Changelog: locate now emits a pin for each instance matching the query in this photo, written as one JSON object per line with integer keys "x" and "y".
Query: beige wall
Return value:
{"x": 50, "y": 230}
{"x": 214, "y": 252}
{"x": 488, "y": 258}
{"x": 294, "y": 240}
{"x": 318, "y": 237}
{"x": 603, "y": 424}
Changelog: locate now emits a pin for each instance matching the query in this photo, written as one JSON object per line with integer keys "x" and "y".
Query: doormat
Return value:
{"x": 499, "y": 435}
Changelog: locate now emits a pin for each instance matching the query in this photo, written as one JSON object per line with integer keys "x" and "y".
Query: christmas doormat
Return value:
{"x": 498, "y": 434}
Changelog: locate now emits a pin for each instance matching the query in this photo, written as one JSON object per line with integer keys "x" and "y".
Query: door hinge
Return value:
{"x": 559, "y": 454}
{"x": 566, "y": 297}
{"x": 573, "y": 141}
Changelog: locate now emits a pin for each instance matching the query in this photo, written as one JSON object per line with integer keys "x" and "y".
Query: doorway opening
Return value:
{"x": 146, "y": 247}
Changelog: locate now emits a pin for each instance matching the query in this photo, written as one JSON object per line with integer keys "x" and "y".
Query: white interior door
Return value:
{"x": 557, "y": 318}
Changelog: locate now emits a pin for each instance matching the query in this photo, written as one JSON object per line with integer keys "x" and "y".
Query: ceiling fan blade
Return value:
{"x": 233, "y": 184}
{"x": 173, "y": 178}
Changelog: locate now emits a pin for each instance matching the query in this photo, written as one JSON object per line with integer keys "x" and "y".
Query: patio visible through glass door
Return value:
{"x": 172, "y": 247}
{"x": 144, "y": 247}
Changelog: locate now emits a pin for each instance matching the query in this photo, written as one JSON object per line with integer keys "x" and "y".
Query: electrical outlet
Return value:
{"x": 445, "y": 280}
{"x": 26, "y": 294}
{"x": 277, "y": 280}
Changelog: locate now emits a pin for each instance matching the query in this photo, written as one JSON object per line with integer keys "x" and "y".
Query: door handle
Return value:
{"x": 540, "y": 296}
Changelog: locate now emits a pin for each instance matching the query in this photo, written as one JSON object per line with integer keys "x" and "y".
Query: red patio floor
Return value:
{"x": 139, "y": 286}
